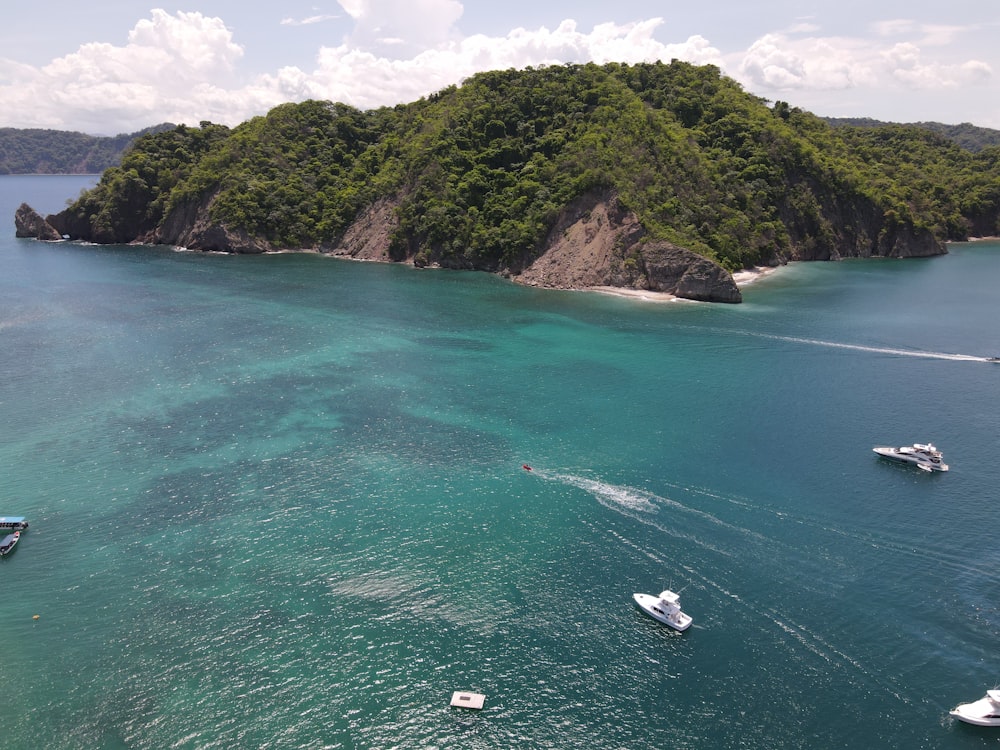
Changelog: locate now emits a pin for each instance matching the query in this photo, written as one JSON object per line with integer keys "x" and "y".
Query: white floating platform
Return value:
{"x": 467, "y": 700}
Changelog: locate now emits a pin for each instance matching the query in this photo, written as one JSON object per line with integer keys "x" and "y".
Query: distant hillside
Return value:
{"x": 970, "y": 137}
{"x": 35, "y": 151}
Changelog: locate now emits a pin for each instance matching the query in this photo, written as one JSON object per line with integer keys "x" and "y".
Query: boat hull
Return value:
{"x": 894, "y": 454}
{"x": 977, "y": 720}
{"x": 652, "y": 606}
{"x": 8, "y": 543}
{"x": 984, "y": 712}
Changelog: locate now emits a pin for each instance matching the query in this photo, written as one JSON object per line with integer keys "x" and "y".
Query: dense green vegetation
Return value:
{"x": 479, "y": 173}
{"x": 968, "y": 136}
{"x": 130, "y": 199}
{"x": 35, "y": 151}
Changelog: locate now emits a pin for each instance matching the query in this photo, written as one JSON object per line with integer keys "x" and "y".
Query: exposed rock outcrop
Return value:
{"x": 189, "y": 225}
{"x": 686, "y": 274}
{"x": 596, "y": 242}
{"x": 370, "y": 236}
{"x": 29, "y": 223}
{"x": 908, "y": 242}
{"x": 853, "y": 226}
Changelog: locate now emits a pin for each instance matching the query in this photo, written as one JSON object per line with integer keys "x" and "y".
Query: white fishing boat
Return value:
{"x": 984, "y": 712}
{"x": 922, "y": 455}
{"x": 666, "y": 608}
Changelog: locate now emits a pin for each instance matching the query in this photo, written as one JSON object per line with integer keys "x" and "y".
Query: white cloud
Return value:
{"x": 780, "y": 63}
{"x": 356, "y": 9}
{"x": 930, "y": 35}
{"x": 803, "y": 27}
{"x": 906, "y": 65}
{"x": 401, "y": 27}
{"x": 171, "y": 66}
{"x": 777, "y": 62}
{"x": 940, "y": 36}
{"x": 366, "y": 80}
{"x": 307, "y": 21}
{"x": 894, "y": 27}
{"x": 186, "y": 67}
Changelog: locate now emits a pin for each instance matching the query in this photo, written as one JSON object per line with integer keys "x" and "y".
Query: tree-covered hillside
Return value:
{"x": 479, "y": 173}
{"x": 968, "y": 136}
{"x": 36, "y": 151}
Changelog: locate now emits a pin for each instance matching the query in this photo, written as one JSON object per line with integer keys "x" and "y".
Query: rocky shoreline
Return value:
{"x": 594, "y": 243}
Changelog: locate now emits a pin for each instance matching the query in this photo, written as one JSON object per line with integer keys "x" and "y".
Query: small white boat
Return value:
{"x": 922, "y": 455}
{"x": 666, "y": 608}
{"x": 984, "y": 712}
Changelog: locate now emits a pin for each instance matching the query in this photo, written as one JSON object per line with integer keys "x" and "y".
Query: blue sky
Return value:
{"x": 121, "y": 65}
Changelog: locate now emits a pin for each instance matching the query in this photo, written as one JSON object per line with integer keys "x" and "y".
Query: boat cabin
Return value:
{"x": 670, "y": 598}
{"x": 13, "y": 523}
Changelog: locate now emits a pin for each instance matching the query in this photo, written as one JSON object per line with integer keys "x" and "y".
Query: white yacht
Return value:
{"x": 666, "y": 608}
{"x": 922, "y": 455}
{"x": 984, "y": 712}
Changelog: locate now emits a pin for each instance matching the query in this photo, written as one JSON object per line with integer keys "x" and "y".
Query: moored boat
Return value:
{"x": 666, "y": 608}
{"x": 984, "y": 712}
{"x": 922, "y": 455}
{"x": 13, "y": 523}
{"x": 8, "y": 542}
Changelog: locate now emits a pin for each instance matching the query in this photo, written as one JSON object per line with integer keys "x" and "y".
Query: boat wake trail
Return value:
{"x": 877, "y": 349}
{"x": 613, "y": 496}
{"x": 645, "y": 507}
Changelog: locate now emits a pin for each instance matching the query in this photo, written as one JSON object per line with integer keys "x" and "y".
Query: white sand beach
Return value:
{"x": 643, "y": 294}
{"x": 742, "y": 279}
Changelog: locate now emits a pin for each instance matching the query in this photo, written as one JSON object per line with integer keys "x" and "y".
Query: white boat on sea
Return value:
{"x": 922, "y": 455}
{"x": 666, "y": 608}
{"x": 984, "y": 712}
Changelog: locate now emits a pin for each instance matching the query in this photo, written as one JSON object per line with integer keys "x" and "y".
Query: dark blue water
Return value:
{"x": 278, "y": 502}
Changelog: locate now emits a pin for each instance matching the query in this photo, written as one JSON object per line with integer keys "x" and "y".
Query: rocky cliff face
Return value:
{"x": 29, "y": 223}
{"x": 596, "y": 243}
{"x": 189, "y": 226}
{"x": 852, "y": 227}
{"x": 370, "y": 236}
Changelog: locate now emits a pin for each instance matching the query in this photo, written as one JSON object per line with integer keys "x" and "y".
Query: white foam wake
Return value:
{"x": 878, "y": 349}
{"x": 612, "y": 495}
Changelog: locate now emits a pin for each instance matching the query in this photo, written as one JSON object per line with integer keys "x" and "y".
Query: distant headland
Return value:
{"x": 41, "y": 151}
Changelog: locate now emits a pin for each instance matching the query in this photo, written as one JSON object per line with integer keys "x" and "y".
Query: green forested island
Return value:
{"x": 654, "y": 176}
{"x": 40, "y": 151}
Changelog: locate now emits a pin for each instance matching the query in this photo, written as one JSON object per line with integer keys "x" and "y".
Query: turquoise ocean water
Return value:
{"x": 277, "y": 502}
